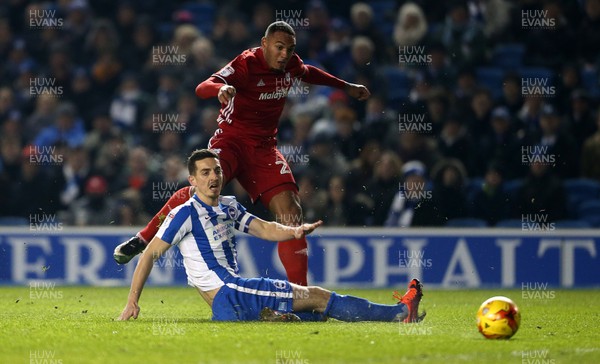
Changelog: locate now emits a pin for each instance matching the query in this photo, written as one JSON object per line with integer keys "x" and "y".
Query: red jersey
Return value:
{"x": 261, "y": 93}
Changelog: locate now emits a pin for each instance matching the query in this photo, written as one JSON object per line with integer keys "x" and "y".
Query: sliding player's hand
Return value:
{"x": 131, "y": 310}
{"x": 359, "y": 92}
{"x": 306, "y": 229}
{"x": 226, "y": 93}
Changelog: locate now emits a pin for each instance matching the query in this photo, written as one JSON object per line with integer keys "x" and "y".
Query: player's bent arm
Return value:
{"x": 270, "y": 230}
{"x": 154, "y": 251}
{"x": 317, "y": 76}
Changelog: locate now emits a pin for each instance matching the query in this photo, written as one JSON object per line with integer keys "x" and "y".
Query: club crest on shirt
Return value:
{"x": 226, "y": 71}
{"x": 233, "y": 212}
{"x": 279, "y": 284}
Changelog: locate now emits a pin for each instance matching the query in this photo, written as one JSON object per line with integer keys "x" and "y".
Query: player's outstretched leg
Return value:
{"x": 127, "y": 250}
{"x": 353, "y": 309}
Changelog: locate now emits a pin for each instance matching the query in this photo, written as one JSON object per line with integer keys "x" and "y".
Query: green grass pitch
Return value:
{"x": 77, "y": 325}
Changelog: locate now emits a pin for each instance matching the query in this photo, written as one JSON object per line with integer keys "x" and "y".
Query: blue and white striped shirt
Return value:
{"x": 205, "y": 237}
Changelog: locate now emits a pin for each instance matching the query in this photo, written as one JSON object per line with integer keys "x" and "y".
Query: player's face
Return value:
{"x": 278, "y": 48}
{"x": 208, "y": 180}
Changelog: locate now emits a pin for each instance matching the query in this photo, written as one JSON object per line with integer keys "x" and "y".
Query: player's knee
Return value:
{"x": 320, "y": 297}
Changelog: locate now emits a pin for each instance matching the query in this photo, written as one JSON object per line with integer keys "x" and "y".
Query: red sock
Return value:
{"x": 294, "y": 257}
{"x": 176, "y": 199}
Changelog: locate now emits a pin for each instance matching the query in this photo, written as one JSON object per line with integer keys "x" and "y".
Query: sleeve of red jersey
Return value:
{"x": 235, "y": 73}
{"x": 317, "y": 76}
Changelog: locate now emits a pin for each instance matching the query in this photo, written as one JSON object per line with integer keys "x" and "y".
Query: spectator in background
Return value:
{"x": 491, "y": 203}
{"x": 111, "y": 160}
{"x": 440, "y": 71}
{"x": 411, "y": 25}
{"x": 383, "y": 186}
{"x": 262, "y": 16}
{"x": 348, "y": 136}
{"x": 12, "y": 127}
{"x": 437, "y": 110}
{"x": 363, "y": 25}
{"x": 461, "y": 36}
{"x": 166, "y": 92}
{"x": 125, "y": 23}
{"x": 550, "y": 48}
{"x": 363, "y": 68}
{"x": 361, "y": 168}
{"x": 95, "y": 207}
{"x": 184, "y": 37}
{"x": 208, "y": 125}
{"x": 449, "y": 189}
{"x": 588, "y": 36}
{"x": 466, "y": 87}
{"x": 580, "y": 119}
{"x": 590, "y": 154}
{"x": 130, "y": 210}
{"x": 73, "y": 174}
{"x": 188, "y": 118}
{"x": 7, "y": 102}
{"x": 341, "y": 208}
{"x": 492, "y": 15}
{"x": 32, "y": 190}
{"x": 569, "y": 81}
{"x": 237, "y": 37}
{"x": 140, "y": 179}
{"x": 555, "y": 142}
{"x": 542, "y": 195}
{"x": 129, "y": 105}
{"x": 102, "y": 39}
{"x": 312, "y": 41}
{"x": 140, "y": 52}
{"x": 313, "y": 198}
{"x": 78, "y": 23}
{"x": 203, "y": 61}
{"x": 500, "y": 145}
{"x": 528, "y": 117}
{"x": 84, "y": 96}
{"x": 481, "y": 109}
{"x": 412, "y": 205}
{"x": 324, "y": 159}
{"x": 10, "y": 159}
{"x": 380, "y": 121}
{"x": 59, "y": 67}
{"x": 415, "y": 146}
{"x": 336, "y": 54}
{"x": 101, "y": 133}
{"x": 454, "y": 141}
{"x": 105, "y": 71}
{"x": 66, "y": 128}
{"x": 511, "y": 93}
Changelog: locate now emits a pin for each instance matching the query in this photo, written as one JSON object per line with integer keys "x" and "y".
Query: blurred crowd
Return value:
{"x": 98, "y": 111}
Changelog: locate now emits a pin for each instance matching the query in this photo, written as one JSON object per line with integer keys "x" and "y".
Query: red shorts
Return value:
{"x": 258, "y": 165}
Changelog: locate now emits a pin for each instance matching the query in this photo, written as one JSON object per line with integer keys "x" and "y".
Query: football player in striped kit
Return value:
{"x": 203, "y": 229}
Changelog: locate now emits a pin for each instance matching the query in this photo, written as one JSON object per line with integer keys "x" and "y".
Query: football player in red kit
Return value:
{"x": 252, "y": 90}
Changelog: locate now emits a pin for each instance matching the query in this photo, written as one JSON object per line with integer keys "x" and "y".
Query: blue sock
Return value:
{"x": 311, "y": 316}
{"x": 350, "y": 308}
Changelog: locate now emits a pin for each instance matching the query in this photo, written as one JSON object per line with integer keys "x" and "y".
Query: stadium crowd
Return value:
{"x": 484, "y": 109}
